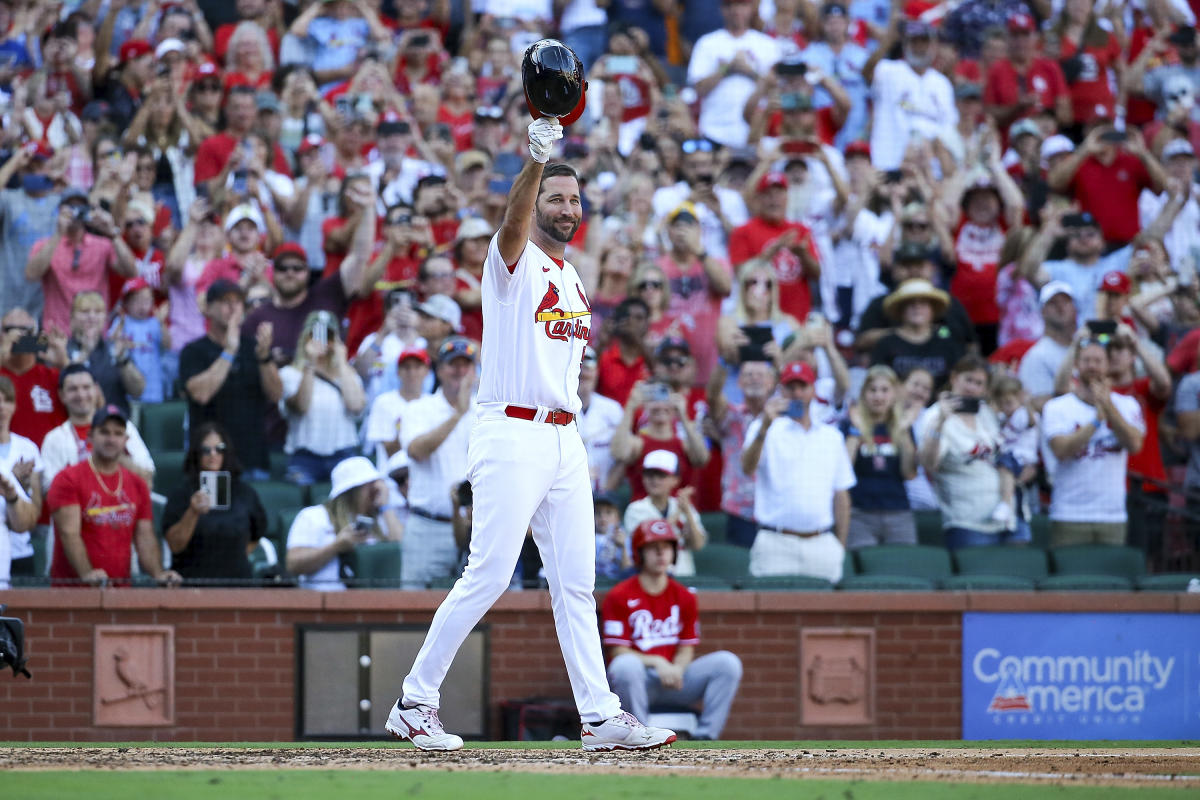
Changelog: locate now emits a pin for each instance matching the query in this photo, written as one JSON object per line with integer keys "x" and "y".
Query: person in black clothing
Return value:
{"x": 919, "y": 338}
{"x": 212, "y": 545}
{"x": 230, "y": 378}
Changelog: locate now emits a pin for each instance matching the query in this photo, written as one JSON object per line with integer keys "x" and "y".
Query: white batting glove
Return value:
{"x": 543, "y": 133}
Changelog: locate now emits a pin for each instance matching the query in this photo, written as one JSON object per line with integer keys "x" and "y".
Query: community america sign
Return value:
{"x": 1081, "y": 676}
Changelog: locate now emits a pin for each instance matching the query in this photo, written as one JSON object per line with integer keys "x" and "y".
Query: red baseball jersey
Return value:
{"x": 109, "y": 511}
{"x": 656, "y": 624}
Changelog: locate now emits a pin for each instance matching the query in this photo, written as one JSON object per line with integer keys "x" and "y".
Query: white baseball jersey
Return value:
{"x": 536, "y": 322}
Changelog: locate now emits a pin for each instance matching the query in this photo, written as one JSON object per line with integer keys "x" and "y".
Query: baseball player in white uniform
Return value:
{"x": 526, "y": 461}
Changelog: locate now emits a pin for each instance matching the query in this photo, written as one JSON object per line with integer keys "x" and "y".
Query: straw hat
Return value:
{"x": 916, "y": 289}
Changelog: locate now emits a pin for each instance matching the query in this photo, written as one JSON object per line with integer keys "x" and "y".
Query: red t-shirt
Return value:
{"x": 1111, "y": 194}
{"x": 827, "y": 129}
{"x": 366, "y": 313}
{"x": 633, "y": 472}
{"x": 749, "y": 240}
{"x": 1139, "y": 109}
{"x": 221, "y": 41}
{"x": 977, "y": 250}
{"x": 1147, "y": 461}
{"x": 109, "y": 511}
{"x": 216, "y": 150}
{"x": 461, "y": 126}
{"x": 615, "y": 378}
{"x": 1043, "y": 77}
{"x": 472, "y": 321}
{"x": 1181, "y": 360}
{"x": 39, "y": 410}
{"x": 656, "y": 624}
{"x": 1091, "y": 96}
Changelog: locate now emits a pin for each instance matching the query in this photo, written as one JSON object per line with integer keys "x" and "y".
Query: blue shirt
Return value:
{"x": 334, "y": 43}
{"x": 145, "y": 348}
{"x": 847, "y": 67}
{"x": 1085, "y": 280}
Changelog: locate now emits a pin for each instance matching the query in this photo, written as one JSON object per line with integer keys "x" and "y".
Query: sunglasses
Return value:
{"x": 697, "y": 146}
{"x": 404, "y": 220}
{"x": 490, "y": 112}
{"x": 108, "y": 154}
{"x": 208, "y": 87}
{"x": 641, "y": 287}
{"x": 20, "y": 328}
{"x": 208, "y": 451}
{"x": 765, "y": 282}
{"x": 134, "y": 222}
{"x": 678, "y": 361}
{"x": 915, "y": 225}
{"x": 292, "y": 267}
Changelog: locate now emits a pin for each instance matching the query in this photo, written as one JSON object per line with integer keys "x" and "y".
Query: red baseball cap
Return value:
{"x": 798, "y": 371}
{"x": 1116, "y": 283}
{"x": 1021, "y": 23}
{"x": 290, "y": 249}
{"x": 133, "y": 285}
{"x": 43, "y": 151}
{"x": 418, "y": 353}
{"x": 859, "y": 148}
{"x": 205, "y": 69}
{"x": 310, "y": 143}
{"x": 134, "y": 48}
{"x": 772, "y": 180}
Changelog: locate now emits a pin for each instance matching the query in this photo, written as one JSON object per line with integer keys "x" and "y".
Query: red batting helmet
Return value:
{"x": 652, "y": 530}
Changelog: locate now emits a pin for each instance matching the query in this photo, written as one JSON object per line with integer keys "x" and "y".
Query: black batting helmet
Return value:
{"x": 553, "y": 78}
{"x": 652, "y": 530}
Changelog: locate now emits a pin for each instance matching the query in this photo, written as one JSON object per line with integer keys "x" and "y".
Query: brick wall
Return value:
{"x": 235, "y": 659}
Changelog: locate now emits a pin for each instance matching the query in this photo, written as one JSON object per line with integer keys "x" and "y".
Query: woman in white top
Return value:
{"x": 322, "y": 399}
{"x": 321, "y": 541}
{"x": 19, "y": 509}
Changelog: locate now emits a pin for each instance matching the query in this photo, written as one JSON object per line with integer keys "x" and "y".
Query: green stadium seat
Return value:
{"x": 1039, "y": 527}
{"x": 710, "y": 583}
{"x": 726, "y": 561}
{"x": 1165, "y": 582}
{"x": 29, "y": 581}
{"x": 284, "y": 519}
{"x": 604, "y": 584}
{"x": 849, "y": 565}
{"x": 786, "y": 583}
{"x": 982, "y": 582}
{"x": 929, "y": 528}
{"x": 168, "y": 471}
{"x": 377, "y": 566}
{"x": 885, "y": 583}
{"x": 279, "y": 462}
{"x": 1081, "y": 582}
{"x": 917, "y": 561}
{"x": 279, "y": 494}
{"x": 621, "y": 496}
{"x": 1023, "y": 562}
{"x": 714, "y": 523}
{"x": 162, "y": 425}
{"x": 318, "y": 492}
{"x": 1099, "y": 559}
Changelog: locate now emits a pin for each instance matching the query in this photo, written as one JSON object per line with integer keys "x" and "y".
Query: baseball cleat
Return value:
{"x": 421, "y": 726}
{"x": 624, "y": 732}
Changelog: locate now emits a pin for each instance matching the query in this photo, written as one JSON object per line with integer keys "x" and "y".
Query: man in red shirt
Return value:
{"x": 259, "y": 12}
{"x": 101, "y": 511}
{"x": 651, "y": 624}
{"x": 624, "y": 362}
{"x": 787, "y": 245}
{"x": 39, "y": 409}
{"x": 213, "y": 157}
{"x": 1025, "y": 84}
{"x": 1106, "y": 174}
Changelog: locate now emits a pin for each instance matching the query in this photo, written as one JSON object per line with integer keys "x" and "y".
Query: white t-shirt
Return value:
{"x": 1183, "y": 239}
{"x": 639, "y": 511}
{"x": 430, "y": 481}
{"x": 967, "y": 480}
{"x": 596, "y": 427}
{"x": 537, "y": 320}
{"x": 908, "y": 104}
{"x": 313, "y": 528}
{"x": 798, "y": 473}
{"x": 721, "y": 109}
{"x": 327, "y": 426}
{"x": 383, "y": 424}
{"x": 1091, "y": 486}
{"x": 712, "y": 232}
{"x": 582, "y": 13}
{"x": 14, "y": 545}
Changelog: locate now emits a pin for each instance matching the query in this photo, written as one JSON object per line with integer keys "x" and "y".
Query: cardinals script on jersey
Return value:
{"x": 536, "y": 322}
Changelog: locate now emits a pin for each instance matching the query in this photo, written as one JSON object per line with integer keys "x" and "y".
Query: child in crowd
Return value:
{"x": 1018, "y": 451}
{"x": 660, "y": 474}
{"x": 613, "y": 559}
{"x": 144, "y": 326}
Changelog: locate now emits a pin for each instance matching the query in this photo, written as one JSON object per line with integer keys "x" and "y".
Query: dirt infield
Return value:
{"x": 1093, "y": 767}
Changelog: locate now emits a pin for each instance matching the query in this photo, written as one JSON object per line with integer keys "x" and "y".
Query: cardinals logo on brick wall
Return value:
{"x": 562, "y": 325}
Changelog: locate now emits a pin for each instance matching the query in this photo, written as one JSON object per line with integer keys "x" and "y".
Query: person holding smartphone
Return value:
{"x": 211, "y": 534}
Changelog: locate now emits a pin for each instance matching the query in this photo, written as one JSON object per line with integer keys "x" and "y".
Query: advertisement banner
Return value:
{"x": 1081, "y": 676}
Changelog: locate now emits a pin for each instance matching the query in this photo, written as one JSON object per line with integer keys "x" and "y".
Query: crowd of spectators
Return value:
{"x": 848, "y": 261}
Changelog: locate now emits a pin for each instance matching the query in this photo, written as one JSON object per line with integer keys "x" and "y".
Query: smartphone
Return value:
{"x": 31, "y": 343}
{"x": 785, "y": 69}
{"x": 797, "y": 147}
{"x": 240, "y": 185}
{"x": 968, "y": 405}
{"x": 893, "y": 176}
{"x": 420, "y": 40}
{"x": 344, "y": 106}
{"x": 657, "y": 392}
{"x": 796, "y": 409}
{"x": 217, "y": 486}
{"x": 1101, "y": 327}
{"x": 398, "y": 297}
{"x": 1113, "y": 135}
{"x": 320, "y": 334}
{"x": 363, "y": 523}
{"x": 622, "y": 65}
{"x": 759, "y": 336}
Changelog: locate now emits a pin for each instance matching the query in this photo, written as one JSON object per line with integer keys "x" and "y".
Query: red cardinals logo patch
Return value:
{"x": 558, "y": 322}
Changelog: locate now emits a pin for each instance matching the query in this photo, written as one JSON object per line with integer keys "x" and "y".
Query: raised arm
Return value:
{"x": 514, "y": 230}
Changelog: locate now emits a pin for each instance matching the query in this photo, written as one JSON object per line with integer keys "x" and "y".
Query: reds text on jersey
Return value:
{"x": 536, "y": 322}
{"x": 648, "y": 623}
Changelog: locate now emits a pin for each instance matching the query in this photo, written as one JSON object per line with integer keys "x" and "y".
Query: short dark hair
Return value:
{"x": 191, "y": 460}
{"x": 623, "y": 307}
{"x": 72, "y": 369}
{"x": 970, "y": 363}
{"x": 241, "y": 89}
{"x": 557, "y": 169}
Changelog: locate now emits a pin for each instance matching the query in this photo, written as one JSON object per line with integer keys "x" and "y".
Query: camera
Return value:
{"x": 12, "y": 644}
{"x": 657, "y": 393}
{"x": 420, "y": 40}
{"x": 363, "y": 523}
{"x": 240, "y": 184}
{"x": 81, "y": 213}
{"x": 968, "y": 405}
{"x": 31, "y": 343}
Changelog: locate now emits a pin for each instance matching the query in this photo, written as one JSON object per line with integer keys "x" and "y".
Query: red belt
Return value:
{"x": 555, "y": 417}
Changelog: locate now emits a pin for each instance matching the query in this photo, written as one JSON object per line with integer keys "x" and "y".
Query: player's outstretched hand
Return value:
{"x": 543, "y": 133}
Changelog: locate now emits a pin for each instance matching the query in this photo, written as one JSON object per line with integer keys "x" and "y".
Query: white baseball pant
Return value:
{"x": 523, "y": 474}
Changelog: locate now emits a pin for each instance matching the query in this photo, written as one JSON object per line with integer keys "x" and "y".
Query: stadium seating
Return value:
{"x": 1085, "y": 583}
{"x": 1165, "y": 582}
{"x": 279, "y": 494}
{"x": 168, "y": 471}
{"x": 726, "y": 561}
{"x": 318, "y": 493}
{"x": 163, "y": 425}
{"x": 377, "y": 566}
{"x": 929, "y": 528}
{"x": 786, "y": 583}
{"x": 983, "y": 582}
{"x": 919, "y": 561}
{"x": 279, "y": 462}
{"x": 886, "y": 583}
{"x": 1024, "y": 562}
{"x": 714, "y": 523}
{"x": 1099, "y": 559}
{"x": 284, "y": 518}
{"x": 711, "y": 583}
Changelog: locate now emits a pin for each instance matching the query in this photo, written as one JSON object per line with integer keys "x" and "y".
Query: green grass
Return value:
{"x": 364, "y": 785}
{"x": 873, "y": 744}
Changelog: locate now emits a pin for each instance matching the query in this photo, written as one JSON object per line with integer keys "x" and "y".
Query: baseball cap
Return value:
{"x": 1184, "y": 36}
{"x": 833, "y": 9}
{"x": 495, "y": 113}
{"x": 103, "y": 415}
{"x": 43, "y": 151}
{"x": 139, "y": 209}
{"x": 1116, "y": 282}
{"x": 134, "y": 48}
{"x": 1083, "y": 219}
{"x": 672, "y": 343}
{"x": 1023, "y": 127}
{"x": 456, "y": 347}
{"x": 95, "y": 111}
{"x": 245, "y": 211}
{"x": 267, "y": 101}
{"x": 221, "y": 288}
{"x": 798, "y": 371}
{"x": 471, "y": 159}
{"x": 968, "y": 91}
{"x": 600, "y": 499}
{"x": 419, "y": 353}
{"x": 1052, "y": 290}
{"x": 133, "y": 285}
{"x": 772, "y": 180}
{"x": 1021, "y": 23}
{"x": 859, "y": 148}
{"x": 166, "y": 46}
{"x": 440, "y": 306}
{"x": 684, "y": 212}
{"x": 309, "y": 143}
{"x": 205, "y": 69}
{"x": 1056, "y": 145}
{"x": 391, "y": 127}
{"x": 473, "y": 228}
{"x": 1178, "y": 147}
{"x": 661, "y": 460}
{"x": 71, "y": 195}
{"x": 915, "y": 29}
